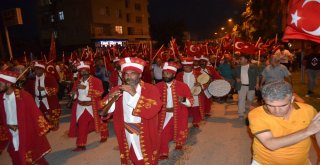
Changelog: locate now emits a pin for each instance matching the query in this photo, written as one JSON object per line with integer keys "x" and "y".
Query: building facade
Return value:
{"x": 88, "y": 22}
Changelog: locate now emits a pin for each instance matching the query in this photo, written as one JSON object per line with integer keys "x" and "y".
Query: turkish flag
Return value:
{"x": 159, "y": 53}
{"x": 191, "y": 49}
{"x": 173, "y": 50}
{"x": 303, "y": 20}
{"x": 244, "y": 47}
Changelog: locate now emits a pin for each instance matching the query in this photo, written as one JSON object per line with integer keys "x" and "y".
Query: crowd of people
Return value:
{"x": 150, "y": 104}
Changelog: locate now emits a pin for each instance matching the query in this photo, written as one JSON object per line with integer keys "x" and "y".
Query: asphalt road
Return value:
{"x": 222, "y": 139}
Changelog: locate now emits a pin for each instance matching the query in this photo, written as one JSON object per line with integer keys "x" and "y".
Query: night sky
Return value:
{"x": 202, "y": 18}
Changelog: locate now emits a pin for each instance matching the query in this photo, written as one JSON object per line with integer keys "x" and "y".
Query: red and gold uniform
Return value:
{"x": 197, "y": 109}
{"x": 174, "y": 114}
{"x": 46, "y": 100}
{"x": 214, "y": 75}
{"x": 22, "y": 126}
{"x": 84, "y": 116}
{"x": 135, "y": 119}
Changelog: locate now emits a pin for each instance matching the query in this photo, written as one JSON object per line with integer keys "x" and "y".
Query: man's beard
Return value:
{"x": 168, "y": 79}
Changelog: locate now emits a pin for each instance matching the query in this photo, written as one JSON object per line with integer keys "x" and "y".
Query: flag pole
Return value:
{"x": 156, "y": 54}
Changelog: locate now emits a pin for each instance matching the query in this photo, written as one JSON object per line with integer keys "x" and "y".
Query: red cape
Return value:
{"x": 95, "y": 92}
{"x": 180, "y": 111}
{"x": 148, "y": 107}
{"x": 32, "y": 127}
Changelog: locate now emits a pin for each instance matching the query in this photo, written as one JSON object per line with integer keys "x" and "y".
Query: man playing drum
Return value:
{"x": 214, "y": 75}
{"x": 189, "y": 76}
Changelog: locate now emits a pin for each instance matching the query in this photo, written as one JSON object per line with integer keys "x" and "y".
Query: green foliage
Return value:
{"x": 262, "y": 18}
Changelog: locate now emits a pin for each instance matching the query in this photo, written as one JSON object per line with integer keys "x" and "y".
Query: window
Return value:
{"x": 61, "y": 15}
{"x": 127, "y": 3}
{"x": 137, "y": 6}
{"x": 107, "y": 11}
{"x": 118, "y": 29}
{"x": 128, "y": 17}
{"x": 138, "y": 19}
{"x": 119, "y": 13}
{"x": 104, "y": 11}
{"x": 130, "y": 31}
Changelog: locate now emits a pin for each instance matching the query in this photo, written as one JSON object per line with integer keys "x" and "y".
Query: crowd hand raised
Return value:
{"x": 80, "y": 86}
{"x": 128, "y": 88}
{"x": 314, "y": 126}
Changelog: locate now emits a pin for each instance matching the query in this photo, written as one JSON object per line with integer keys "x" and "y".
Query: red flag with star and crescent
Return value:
{"x": 244, "y": 47}
{"x": 303, "y": 20}
{"x": 192, "y": 49}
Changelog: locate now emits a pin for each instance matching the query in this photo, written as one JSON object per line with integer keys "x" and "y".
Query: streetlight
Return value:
{"x": 222, "y": 28}
{"x": 230, "y": 20}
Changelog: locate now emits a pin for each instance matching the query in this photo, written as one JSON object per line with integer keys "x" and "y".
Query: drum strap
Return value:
{"x": 207, "y": 73}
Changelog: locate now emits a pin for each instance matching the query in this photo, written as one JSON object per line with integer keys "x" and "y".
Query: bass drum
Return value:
{"x": 219, "y": 88}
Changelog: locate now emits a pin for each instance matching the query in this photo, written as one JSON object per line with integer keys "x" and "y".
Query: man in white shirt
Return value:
{"x": 247, "y": 80}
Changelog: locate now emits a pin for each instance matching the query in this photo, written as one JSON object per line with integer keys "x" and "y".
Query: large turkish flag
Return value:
{"x": 303, "y": 20}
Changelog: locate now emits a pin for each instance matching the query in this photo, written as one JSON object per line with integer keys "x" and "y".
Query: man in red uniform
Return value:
{"x": 116, "y": 75}
{"x": 22, "y": 124}
{"x": 214, "y": 75}
{"x": 135, "y": 115}
{"x": 189, "y": 76}
{"x": 176, "y": 97}
{"x": 87, "y": 92}
{"x": 44, "y": 89}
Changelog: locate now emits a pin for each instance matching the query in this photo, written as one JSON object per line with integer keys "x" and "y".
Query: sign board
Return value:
{"x": 12, "y": 17}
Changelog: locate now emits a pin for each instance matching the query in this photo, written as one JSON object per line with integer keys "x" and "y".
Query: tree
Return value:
{"x": 263, "y": 18}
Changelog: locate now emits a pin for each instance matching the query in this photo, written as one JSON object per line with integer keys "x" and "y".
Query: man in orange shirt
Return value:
{"x": 282, "y": 128}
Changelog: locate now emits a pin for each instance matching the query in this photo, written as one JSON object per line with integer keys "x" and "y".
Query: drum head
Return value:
{"x": 195, "y": 91}
{"x": 219, "y": 88}
{"x": 203, "y": 78}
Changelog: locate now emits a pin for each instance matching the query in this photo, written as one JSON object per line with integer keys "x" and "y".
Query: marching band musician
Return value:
{"x": 176, "y": 97}
{"x": 189, "y": 76}
{"x": 135, "y": 109}
{"x": 44, "y": 89}
{"x": 214, "y": 75}
{"x": 22, "y": 124}
{"x": 87, "y": 92}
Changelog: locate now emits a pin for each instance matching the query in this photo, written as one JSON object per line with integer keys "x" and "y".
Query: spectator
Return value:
{"x": 312, "y": 64}
{"x": 285, "y": 56}
{"x": 282, "y": 128}
{"x": 156, "y": 70}
{"x": 275, "y": 71}
{"x": 247, "y": 80}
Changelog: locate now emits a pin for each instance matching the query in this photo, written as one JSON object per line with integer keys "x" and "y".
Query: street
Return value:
{"x": 222, "y": 139}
